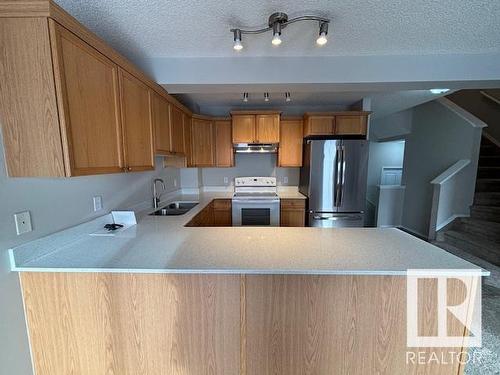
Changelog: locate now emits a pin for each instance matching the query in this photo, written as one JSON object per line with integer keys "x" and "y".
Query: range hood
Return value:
{"x": 255, "y": 148}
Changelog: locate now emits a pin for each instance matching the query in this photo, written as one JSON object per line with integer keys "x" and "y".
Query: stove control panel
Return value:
{"x": 255, "y": 181}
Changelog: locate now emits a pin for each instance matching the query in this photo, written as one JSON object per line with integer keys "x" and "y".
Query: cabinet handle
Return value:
{"x": 129, "y": 168}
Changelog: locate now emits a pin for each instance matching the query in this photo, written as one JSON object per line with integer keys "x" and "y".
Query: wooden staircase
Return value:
{"x": 479, "y": 234}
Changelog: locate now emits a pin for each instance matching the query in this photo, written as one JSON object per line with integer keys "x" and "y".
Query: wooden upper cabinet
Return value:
{"x": 268, "y": 128}
{"x": 88, "y": 98}
{"x": 161, "y": 120}
{"x": 188, "y": 139}
{"x": 176, "y": 130}
{"x": 290, "y": 150}
{"x": 203, "y": 143}
{"x": 351, "y": 124}
{"x": 224, "y": 156}
{"x": 243, "y": 128}
{"x": 137, "y": 123}
{"x": 318, "y": 125}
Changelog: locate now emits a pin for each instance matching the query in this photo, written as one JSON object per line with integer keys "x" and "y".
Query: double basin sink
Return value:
{"x": 175, "y": 209}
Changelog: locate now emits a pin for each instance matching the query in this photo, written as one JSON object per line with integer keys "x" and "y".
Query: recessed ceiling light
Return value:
{"x": 439, "y": 91}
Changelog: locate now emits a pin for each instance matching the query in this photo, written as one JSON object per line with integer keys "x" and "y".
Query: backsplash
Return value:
{"x": 245, "y": 166}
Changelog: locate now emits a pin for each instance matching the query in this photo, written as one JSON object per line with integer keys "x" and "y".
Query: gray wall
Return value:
{"x": 54, "y": 204}
{"x": 382, "y": 154}
{"x": 245, "y": 165}
{"x": 439, "y": 138}
{"x": 394, "y": 126}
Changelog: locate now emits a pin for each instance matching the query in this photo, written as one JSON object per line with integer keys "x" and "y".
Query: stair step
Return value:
{"x": 488, "y": 230}
{"x": 487, "y": 198}
{"x": 489, "y": 150}
{"x": 475, "y": 245}
{"x": 486, "y": 213}
{"x": 489, "y": 161}
{"x": 488, "y": 184}
{"x": 488, "y": 172}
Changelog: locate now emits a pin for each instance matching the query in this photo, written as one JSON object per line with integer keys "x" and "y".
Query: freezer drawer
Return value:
{"x": 336, "y": 220}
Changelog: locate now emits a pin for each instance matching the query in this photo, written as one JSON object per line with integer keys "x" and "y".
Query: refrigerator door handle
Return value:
{"x": 337, "y": 217}
{"x": 342, "y": 174}
{"x": 338, "y": 177}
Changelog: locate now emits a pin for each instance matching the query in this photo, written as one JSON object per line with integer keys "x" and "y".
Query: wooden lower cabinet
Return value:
{"x": 223, "y": 216}
{"x": 292, "y": 212}
{"x": 192, "y": 324}
{"x": 216, "y": 214}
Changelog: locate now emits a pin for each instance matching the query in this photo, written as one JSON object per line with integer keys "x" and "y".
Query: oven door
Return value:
{"x": 256, "y": 212}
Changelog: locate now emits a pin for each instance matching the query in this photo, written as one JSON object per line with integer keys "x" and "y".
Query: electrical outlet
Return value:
{"x": 226, "y": 180}
{"x": 285, "y": 180}
{"x": 97, "y": 203}
{"x": 23, "y": 222}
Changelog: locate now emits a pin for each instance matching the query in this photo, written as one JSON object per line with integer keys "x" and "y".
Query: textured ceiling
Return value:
{"x": 197, "y": 28}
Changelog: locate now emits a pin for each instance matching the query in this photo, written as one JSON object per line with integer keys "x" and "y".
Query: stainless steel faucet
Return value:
{"x": 156, "y": 196}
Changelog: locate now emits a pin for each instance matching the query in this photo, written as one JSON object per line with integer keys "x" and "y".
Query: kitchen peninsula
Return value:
{"x": 161, "y": 297}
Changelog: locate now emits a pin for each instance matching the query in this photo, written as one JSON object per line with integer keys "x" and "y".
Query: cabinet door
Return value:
{"x": 355, "y": 125}
{"x": 188, "y": 139}
{"x": 87, "y": 82}
{"x": 222, "y": 212}
{"x": 177, "y": 130}
{"x": 268, "y": 128}
{"x": 224, "y": 156}
{"x": 290, "y": 150}
{"x": 137, "y": 123}
{"x": 292, "y": 213}
{"x": 243, "y": 128}
{"x": 319, "y": 125}
{"x": 161, "y": 121}
{"x": 203, "y": 143}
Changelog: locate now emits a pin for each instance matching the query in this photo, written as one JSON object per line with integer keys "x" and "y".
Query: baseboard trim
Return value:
{"x": 413, "y": 232}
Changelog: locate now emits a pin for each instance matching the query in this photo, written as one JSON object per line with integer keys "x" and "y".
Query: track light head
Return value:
{"x": 276, "y": 34}
{"x": 245, "y": 97}
{"x": 266, "y": 96}
{"x": 237, "y": 40}
{"x": 287, "y": 97}
{"x": 323, "y": 31}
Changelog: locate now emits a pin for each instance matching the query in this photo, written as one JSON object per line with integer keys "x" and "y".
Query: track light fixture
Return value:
{"x": 266, "y": 96}
{"x": 278, "y": 21}
{"x": 245, "y": 97}
{"x": 237, "y": 40}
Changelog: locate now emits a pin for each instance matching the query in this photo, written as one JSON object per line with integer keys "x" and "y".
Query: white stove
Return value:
{"x": 256, "y": 201}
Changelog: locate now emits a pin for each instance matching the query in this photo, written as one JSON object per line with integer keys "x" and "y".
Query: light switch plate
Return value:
{"x": 226, "y": 180}
{"x": 285, "y": 180}
{"x": 97, "y": 203}
{"x": 23, "y": 222}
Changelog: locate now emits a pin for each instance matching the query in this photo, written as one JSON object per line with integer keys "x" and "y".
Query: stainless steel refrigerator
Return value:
{"x": 333, "y": 177}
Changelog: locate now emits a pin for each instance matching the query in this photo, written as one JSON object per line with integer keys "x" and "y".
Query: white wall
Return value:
{"x": 54, "y": 204}
{"x": 382, "y": 154}
{"x": 439, "y": 138}
{"x": 245, "y": 165}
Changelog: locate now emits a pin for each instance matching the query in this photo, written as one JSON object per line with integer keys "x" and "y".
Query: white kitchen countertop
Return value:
{"x": 162, "y": 244}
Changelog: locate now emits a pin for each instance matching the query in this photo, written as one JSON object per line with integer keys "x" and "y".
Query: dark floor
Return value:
{"x": 487, "y": 358}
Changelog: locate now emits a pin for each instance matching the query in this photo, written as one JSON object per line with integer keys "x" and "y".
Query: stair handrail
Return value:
{"x": 438, "y": 183}
{"x": 450, "y": 172}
